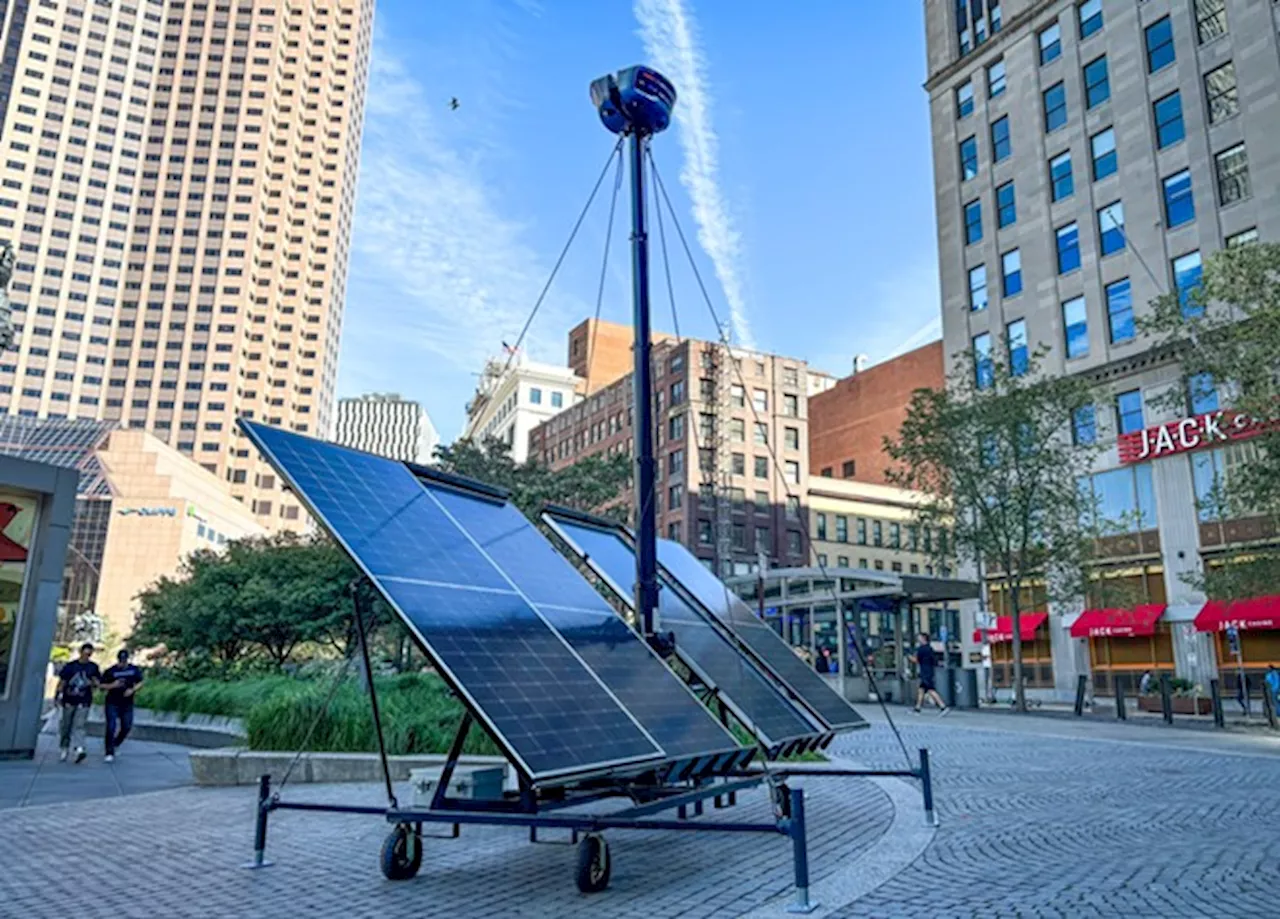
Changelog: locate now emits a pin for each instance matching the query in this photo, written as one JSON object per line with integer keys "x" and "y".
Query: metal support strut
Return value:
{"x": 260, "y": 825}
{"x": 799, "y": 854}
{"x": 373, "y": 695}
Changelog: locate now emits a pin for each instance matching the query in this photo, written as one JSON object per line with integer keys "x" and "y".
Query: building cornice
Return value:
{"x": 1009, "y": 32}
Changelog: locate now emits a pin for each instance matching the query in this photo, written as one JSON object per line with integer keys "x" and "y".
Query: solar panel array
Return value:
{"x": 768, "y": 646}
{"x": 511, "y": 638}
{"x": 700, "y": 643}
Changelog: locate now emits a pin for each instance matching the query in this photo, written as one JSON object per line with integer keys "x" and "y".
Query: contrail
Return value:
{"x": 671, "y": 42}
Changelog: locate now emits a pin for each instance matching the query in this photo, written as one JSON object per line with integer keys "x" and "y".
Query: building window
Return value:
{"x": 895, "y": 537}
{"x": 1129, "y": 411}
{"x": 1061, "y": 183}
{"x": 737, "y": 429}
{"x": 1006, "y": 206}
{"x": 1124, "y": 499}
{"x": 1019, "y": 356}
{"x": 761, "y": 464}
{"x": 1221, "y": 91}
{"x": 1111, "y": 228}
{"x": 738, "y": 463}
{"x": 790, "y": 405}
{"x": 675, "y": 498}
{"x": 1186, "y": 280}
{"x": 842, "y": 528}
{"x": 820, "y": 526}
{"x": 1243, "y": 238}
{"x": 877, "y": 533}
{"x": 763, "y": 542}
{"x": 535, "y": 395}
{"x": 1075, "y": 326}
{"x": 1168, "y": 114}
{"x": 761, "y": 433}
{"x": 1084, "y": 425}
{"x": 760, "y": 400}
{"x": 972, "y": 222}
{"x": 978, "y": 288}
{"x": 677, "y": 392}
{"x": 1090, "y": 17}
{"x": 1103, "y": 146}
{"x": 704, "y": 532}
{"x": 793, "y": 542}
{"x": 848, "y": 470}
{"x": 861, "y": 530}
{"x": 792, "y": 471}
{"x": 1097, "y": 88}
{"x": 1120, "y": 311}
{"x": 675, "y": 428}
{"x": 557, "y": 400}
{"x": 1050, "y": 44}
{"x": 964, "y": 99}
{"x": 1179, "y": 204}
{"x": 983, "y": 369}
{"x": 791, "y": 437}
{"x": 1202, "y": 395}
{"x": 1159, "y": 45}
{"x": 1001, "y": 143}
{"x": 1011, "y": 266}
{"x": 842, "y": 561}
{"x": 1055, "y": 107}
{"x": 995, "y": 79}
{"x": 1068, "y": 248}
{"x": 968, "y": 158}
{"x": 1211, "y": 19}
{"x": 1232, "y": 166}
{"x": 1211, "y": 472}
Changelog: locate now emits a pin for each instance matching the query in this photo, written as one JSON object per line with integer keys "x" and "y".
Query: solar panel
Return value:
{"x": 764, "y": 642}
{"x": 701, "y": 644}
{"x": 540, "y": 702}
{"x": 644, "y": 685}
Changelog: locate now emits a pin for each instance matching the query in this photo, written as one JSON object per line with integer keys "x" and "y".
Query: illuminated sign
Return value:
{"x": 1207, "y": 430}
{"x": 148, "y": 512}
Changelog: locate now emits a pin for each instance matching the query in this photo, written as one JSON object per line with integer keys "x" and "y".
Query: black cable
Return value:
{"x": 804, "y": 525}
{"x": 604, "y": 268}
{"x": 666, "y": 262}
{"x": 616, "y": 151}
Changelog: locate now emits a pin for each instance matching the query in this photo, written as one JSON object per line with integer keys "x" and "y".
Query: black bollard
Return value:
{"x": 1215, "y": 696}
{"x": 1166, "y": 698}
{"x": 1121, "y": 714}
{"x": 1082, "y": 683}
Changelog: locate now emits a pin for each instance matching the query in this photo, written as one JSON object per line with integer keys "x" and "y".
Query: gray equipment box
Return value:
{"x": 476, "y": 782}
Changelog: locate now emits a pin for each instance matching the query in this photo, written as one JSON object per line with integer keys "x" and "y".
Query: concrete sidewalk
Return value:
{"x": 140, "y": 766}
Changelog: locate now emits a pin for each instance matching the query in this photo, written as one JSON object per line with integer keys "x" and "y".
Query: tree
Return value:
{"x": 1226, "y": 334}
{"x": 993, "y": 456}
{"x": 593, "y": 483}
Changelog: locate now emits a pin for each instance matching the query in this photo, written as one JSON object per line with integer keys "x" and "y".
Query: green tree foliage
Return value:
{"x": 1226, "y": 333}
{"x": 262, "y": 597}
{"x": 997, "y": 467}
{"x": 593, "y": 483}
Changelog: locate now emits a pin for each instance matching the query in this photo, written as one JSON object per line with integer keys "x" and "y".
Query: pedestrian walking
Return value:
{"x": 76, "y": 683}
{"x": 121, "y": 681}
{"x": 1242, "y": 693}
{"x": 1272, "y": 679}
{"x": 926, "y": 665}
{"x": 1144, "y": 686}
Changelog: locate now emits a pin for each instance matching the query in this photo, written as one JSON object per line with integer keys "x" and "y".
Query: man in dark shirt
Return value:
{"x": 121, "y": 681}
{"x": 76, "y": 683}
{"x": 927, "y": 664}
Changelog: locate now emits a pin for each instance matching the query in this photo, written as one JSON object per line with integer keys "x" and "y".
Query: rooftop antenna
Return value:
{"x": 637, "y": 103}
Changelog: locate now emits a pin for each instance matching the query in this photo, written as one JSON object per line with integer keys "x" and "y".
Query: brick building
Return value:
{"x": 714, "y": 428}
{"x": 849, "y": 422}
{"x": 600, "y": 351}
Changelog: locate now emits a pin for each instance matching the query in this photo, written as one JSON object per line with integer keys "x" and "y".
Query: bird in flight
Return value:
{"x": 453, "y": 104}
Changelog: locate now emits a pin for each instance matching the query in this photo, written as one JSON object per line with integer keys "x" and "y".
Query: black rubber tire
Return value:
{"x": 401, "y": 853}
{"x": 594, "y": 864}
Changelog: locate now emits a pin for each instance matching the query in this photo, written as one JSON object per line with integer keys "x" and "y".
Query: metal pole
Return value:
{"x": 799, "y": 854}
{"x": 1082, "y": 683}
{"x": 1166, "y": 698}
{"x": 646, "y": 513}
{"x": 1120, "y": 712}
{"x": 1215, "y": 694}
{"x": 260, "y": 825}
{"x": 926, "y": 788}
{"x": 373, "y": 696}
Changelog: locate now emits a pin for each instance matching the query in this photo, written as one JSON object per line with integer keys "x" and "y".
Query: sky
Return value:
{"x": 798, "y": 167}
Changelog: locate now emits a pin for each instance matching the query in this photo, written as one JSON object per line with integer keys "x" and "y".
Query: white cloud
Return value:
{"x": 671, "y": 42}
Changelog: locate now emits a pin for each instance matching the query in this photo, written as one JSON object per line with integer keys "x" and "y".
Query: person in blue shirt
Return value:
{"x": 76, "y": 683}
{"x": 121, "y": 681}
{"x": 1272, "y": 679}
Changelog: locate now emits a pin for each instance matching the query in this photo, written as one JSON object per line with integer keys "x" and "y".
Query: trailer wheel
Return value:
{"x": 594, "y": 865}
{"x": 401, "y": 853}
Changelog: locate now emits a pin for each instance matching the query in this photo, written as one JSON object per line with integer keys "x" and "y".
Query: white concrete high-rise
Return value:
{"x": 178, "y": 180}
{"x": 387, "y": 425}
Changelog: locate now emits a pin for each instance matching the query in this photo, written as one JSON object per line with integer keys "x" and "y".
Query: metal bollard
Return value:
{"x": 1166, "y": 698}
{"x": 926, "y": 788}
{"x": 1215, "y": 696}
{"x": 1121, "y": 714}
{"x": 799, "y": 854}
{"x": 260, "y": 826}
{"x": 1082, "y": 684}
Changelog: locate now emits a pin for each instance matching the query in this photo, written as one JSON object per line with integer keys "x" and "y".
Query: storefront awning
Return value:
{"x": 1253, "y": 613}
{"x": 1003, "y": 631}
{"x": 1118, "y": 623}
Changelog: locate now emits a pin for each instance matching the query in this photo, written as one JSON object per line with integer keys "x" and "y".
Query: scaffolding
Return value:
{"x": 718, "y": 474}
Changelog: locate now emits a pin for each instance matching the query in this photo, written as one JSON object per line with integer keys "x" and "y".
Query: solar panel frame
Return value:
{"x": 816, "y": 734}
{"x": 537, "y": 777}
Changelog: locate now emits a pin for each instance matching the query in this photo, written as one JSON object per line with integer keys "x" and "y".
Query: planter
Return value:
{"x": 1182, "y": 705}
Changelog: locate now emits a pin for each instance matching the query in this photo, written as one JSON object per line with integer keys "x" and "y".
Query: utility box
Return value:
{"x": 481, "y": 783}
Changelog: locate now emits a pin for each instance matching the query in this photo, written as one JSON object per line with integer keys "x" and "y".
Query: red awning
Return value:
{"x": 1253, "y": 613}
{"x": 1118, "y": 623}
{"x": 1004, "y": 628}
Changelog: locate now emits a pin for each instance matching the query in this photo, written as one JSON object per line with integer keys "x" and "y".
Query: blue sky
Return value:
{"x": 801, "y": 164}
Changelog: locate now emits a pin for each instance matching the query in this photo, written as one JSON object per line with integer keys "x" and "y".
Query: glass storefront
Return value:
{"x": 17, "y": 523}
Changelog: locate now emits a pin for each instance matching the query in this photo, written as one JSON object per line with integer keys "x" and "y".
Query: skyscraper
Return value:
{"x": 387, "y": 425}
{"x": 1088, "y": 156}
{"x": 178, "y": 180}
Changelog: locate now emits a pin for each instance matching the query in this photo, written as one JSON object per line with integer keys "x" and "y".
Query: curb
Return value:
{"x": 187, "y": 730}
{"x": 237, "y": 766}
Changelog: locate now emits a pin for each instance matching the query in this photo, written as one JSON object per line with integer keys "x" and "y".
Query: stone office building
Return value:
{"x": 1088, "y": 156}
